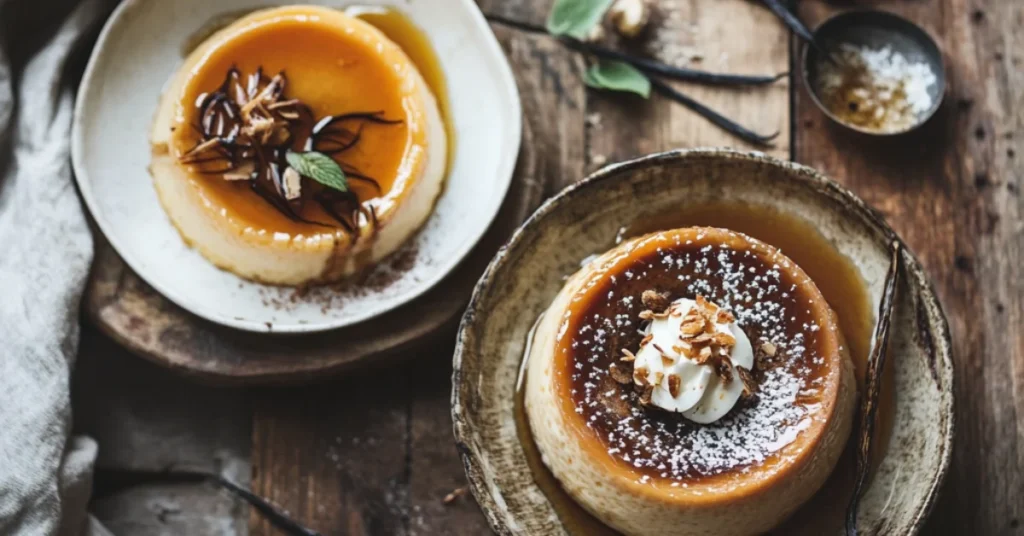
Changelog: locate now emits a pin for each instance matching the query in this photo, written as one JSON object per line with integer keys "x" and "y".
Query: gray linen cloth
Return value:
{"x": 45, "y": 252}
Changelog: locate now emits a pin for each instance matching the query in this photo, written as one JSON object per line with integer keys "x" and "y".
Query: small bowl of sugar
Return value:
{"x": 879, "y": 74}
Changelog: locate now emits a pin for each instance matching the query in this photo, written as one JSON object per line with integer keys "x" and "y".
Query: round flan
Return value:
{"x": 691, "y": 381}
{"x": 257, "y": 113}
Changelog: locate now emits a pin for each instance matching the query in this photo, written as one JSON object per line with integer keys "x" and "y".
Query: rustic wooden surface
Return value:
{"x": 372, "y": 453}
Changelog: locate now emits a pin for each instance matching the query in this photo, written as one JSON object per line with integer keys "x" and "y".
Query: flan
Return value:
{"x": 690, "y": 381}
{"x": 250, "y": 122}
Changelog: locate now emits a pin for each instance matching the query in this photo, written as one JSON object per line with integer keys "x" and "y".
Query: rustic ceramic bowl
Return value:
{"x": 140, "y": 48}
{"x": 584, "y": 219}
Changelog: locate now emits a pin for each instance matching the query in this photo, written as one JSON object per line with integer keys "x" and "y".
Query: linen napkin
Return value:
{"x": 45, "y": 252}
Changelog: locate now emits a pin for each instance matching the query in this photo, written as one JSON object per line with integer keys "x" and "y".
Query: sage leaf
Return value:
{"x": 617, "y": 76}
{"x": 575, "y": 18}
{"x": 318, "y": 167}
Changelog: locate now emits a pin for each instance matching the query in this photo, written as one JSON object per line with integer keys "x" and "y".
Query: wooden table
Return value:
{"x": 372, "y": 453}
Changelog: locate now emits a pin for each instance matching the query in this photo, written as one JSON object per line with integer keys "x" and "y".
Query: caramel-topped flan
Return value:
{"x": 297, "y": 146}
{"x": 691, "y": 381}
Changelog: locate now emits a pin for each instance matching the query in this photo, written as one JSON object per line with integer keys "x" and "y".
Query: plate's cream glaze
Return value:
{"x": 138, "y": 51}
{"x": 525, "y": 275}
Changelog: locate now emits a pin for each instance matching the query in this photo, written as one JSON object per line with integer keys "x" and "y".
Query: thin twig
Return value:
{"x": 644, "y": 64}
{"x": 716, "y": 118}
{"x": 873, "y": 389}
{"x": 276, "y": 517}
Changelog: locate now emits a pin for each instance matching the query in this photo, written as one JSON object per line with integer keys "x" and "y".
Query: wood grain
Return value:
{"x": 623, "y": 127}
{"x": 952, "y": 192}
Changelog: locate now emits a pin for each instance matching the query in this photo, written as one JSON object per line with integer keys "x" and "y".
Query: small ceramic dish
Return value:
{"x": 876, "y": 29}
{"x": 139, "y": 50}
{"x": 588, "y": 218}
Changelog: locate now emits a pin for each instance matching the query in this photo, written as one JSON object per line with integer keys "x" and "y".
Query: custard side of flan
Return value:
{"x": 334, "y": 65}
{"x": 645, "y": 470}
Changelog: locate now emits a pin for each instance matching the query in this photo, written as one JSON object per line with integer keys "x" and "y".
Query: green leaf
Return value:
{"x": 319, "y": 167}
{"x": 618, "y": 76}
{"x": 575, "y": 18}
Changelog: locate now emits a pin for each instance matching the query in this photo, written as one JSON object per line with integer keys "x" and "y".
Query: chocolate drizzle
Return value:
{"x": 246, "y": 128}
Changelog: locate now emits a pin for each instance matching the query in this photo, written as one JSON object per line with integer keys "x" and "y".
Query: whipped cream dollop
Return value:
{"x": 690, "y": 358}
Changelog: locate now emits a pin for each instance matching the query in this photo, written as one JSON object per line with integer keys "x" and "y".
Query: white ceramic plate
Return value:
{"x": 138, "y": 51}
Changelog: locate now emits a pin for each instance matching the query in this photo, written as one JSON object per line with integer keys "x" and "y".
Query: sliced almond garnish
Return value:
{"x": 667, "y": 361}
{"x": 627, "y": 356}
{"x": 292, "y": 183}
{"x": 674, "y": 384}
{"x": 724, "y": 339}
{"x": 691, "y": 326}
{"x": 703, "y": 356}
{"x": 705, "y": 306}
{"x": 702, "y": 339}
{"x": 768, "y": 349}
{"x": 658, "y": 377}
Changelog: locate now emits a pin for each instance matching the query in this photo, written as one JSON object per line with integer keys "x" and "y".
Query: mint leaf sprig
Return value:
{"x": 318, "y": 167}
{"x": 576, "y": 18}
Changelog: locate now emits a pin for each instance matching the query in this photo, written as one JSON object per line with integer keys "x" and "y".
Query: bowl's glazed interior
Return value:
{"x": 586, "y": 218}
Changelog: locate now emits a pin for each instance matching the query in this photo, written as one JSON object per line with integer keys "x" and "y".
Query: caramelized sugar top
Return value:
{"x": 774, "y": 302}
{"x": 335, "y": 71}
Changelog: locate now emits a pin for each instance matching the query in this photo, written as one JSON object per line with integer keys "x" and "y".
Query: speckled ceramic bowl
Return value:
{"x": 585, "y": 218}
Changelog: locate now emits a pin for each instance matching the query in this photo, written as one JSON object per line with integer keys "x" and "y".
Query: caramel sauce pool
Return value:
{"x": 843, "y": 288}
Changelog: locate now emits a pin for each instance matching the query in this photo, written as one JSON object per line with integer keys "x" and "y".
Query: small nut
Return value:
{"x": 629, "y": 17}
{"x": 655, "y": 301}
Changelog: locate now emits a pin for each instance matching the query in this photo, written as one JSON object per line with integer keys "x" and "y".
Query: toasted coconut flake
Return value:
{"x": 724, "y": 369}
{"x": 725, "y": 317}
{"x": 620, "y": 374}
{"x": 655, "y": 301}
{"x": 704, "y": 355}
{"x": 667, "y": 361}
{"x": 647, "y": 314}
{"x": 627, "y": 356}
{"x": 646, "y": 340}
{"x": 749, "y": 385}
{"x": 658, "y": 377}
{"x": 640, "y": 376}
{"x": 674, "y": 385}
{"x": 645, "y": 395}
